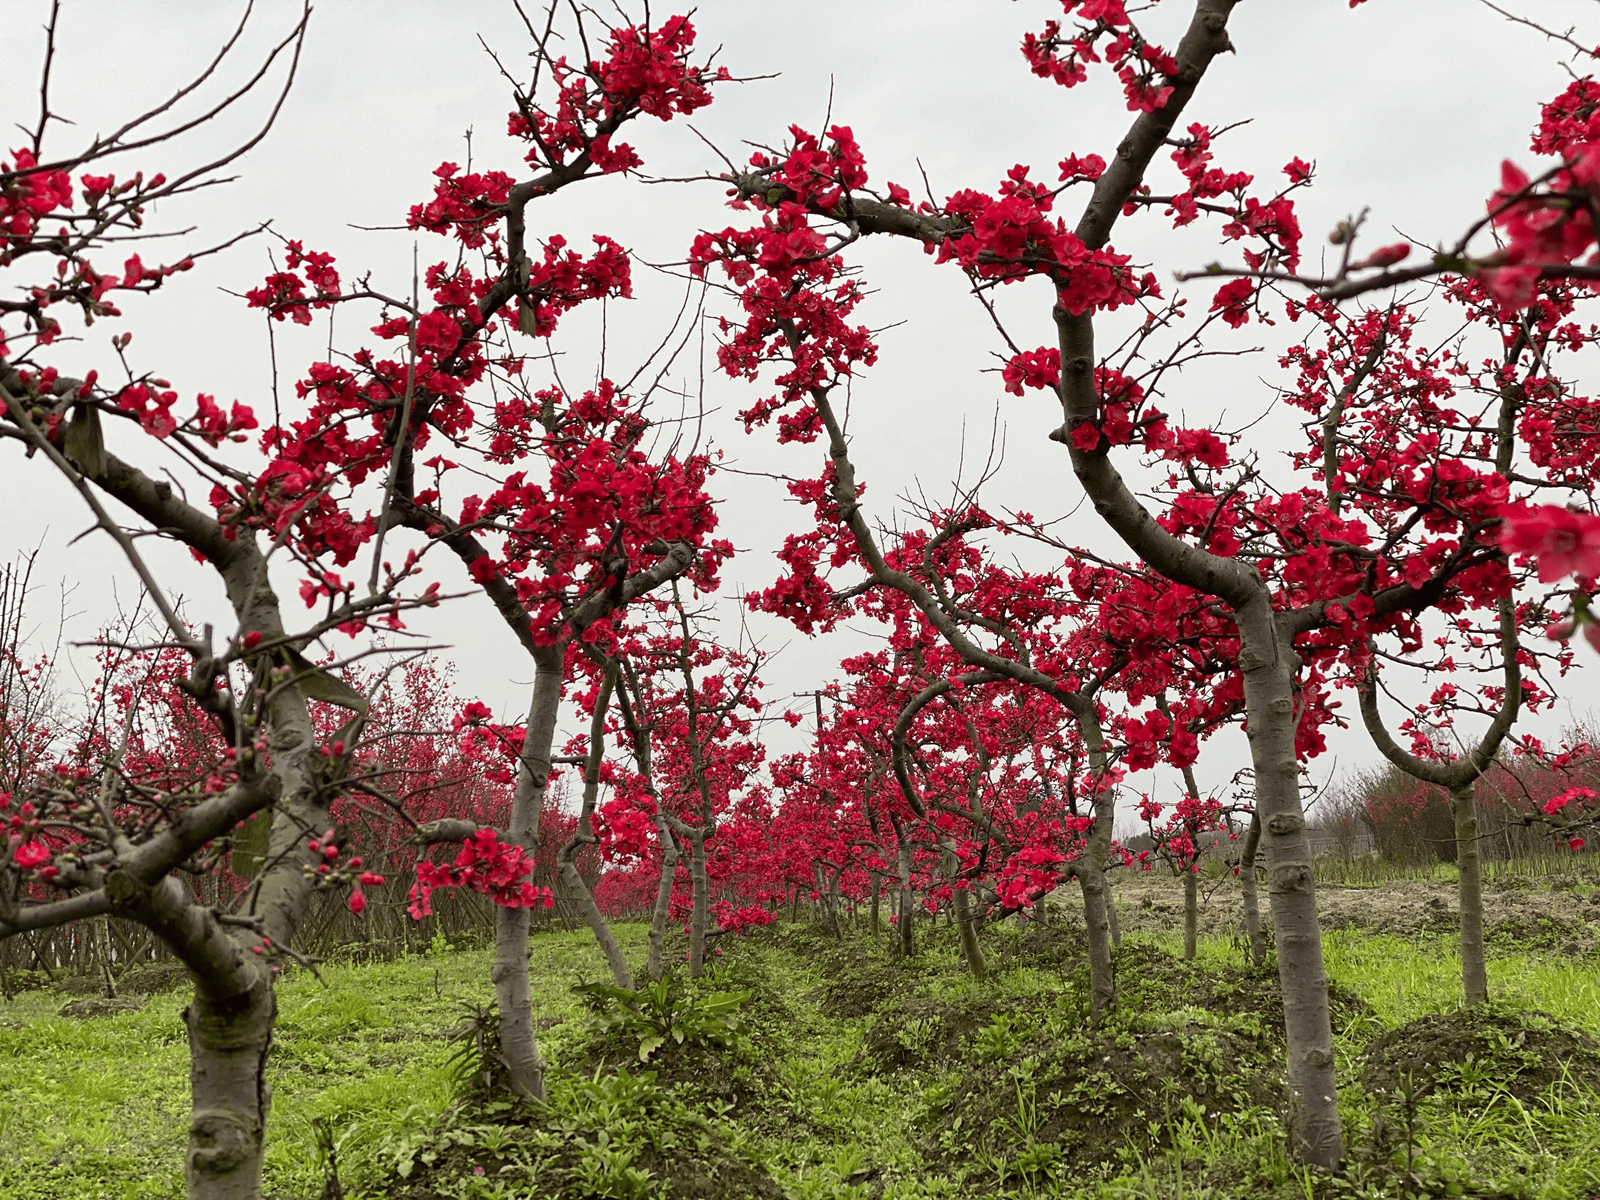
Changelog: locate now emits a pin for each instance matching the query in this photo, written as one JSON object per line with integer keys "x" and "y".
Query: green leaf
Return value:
{"x": 527, "y": 319}
{"x": 319, "y": 684}
{"x": 719, "y": 1003}
{"x": 649, "y": 1045}
{"x": 606, "y": 991}
{"x": 250, "y": 845}
{"x": 83, "y": 442}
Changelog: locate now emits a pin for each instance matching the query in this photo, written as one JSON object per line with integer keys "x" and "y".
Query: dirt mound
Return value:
{"x": 98, "y": 1006}
{"x": 1399, "y": 907}
{"x": 152, "y": 979}
{"x": 622, "y": 1135}
{"x": 1060, "y": 944}
{"x": 1043, "y": 1087}
{"x": 1571, "y": 936}
{"x": 916, "y": 1031}
{"x": 18, "y": 981}
{"x": 1459, "y": 1051}
{"x": 860, "y": 985}
{"x": 1149, "y": 979}
{"x": 701, "y": 1069}
{"x": 92, "y": 984}
{"x": 141, "y": 979}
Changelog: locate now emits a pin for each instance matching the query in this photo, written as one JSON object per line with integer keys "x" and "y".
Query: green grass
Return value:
{"x": 1402, "y": 979}
{"x": 98, "y": 1109}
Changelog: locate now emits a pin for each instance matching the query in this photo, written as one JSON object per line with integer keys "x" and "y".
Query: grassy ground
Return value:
{"x": 854, "y": 1077}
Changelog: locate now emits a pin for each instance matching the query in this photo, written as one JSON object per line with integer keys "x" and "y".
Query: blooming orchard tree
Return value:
{"x": 1496, "y": 424}
{"x": 578, "y": 520}
{"x": 1012, "y": 788}
{"x": 107, "y": 834}
{"x": 1196, "y": 824}
{"x": 690, "y": 709}
{"x": 1440, "y": 482}
{"x": 556, "y": 552}
{"x": 1310, "y": 571}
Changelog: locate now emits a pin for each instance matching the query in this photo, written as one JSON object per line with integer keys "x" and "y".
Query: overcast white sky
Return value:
{"x": 1407, "y": 106}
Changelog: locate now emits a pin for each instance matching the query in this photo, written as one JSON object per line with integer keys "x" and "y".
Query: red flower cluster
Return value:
{"x": 741, "y": 919}
{"x": 1143, "y": 68}
{"x": 468, "y": 206}
{"x": 644, "y": 71}
{"x": 31, "y": 194}
{"x": 485, "y": 865}
{"x": 1549, "y": 225}
{"x": 1585, "y": 796}
{"x": 1010, "y": 237}
{"x": 284, "y": 292}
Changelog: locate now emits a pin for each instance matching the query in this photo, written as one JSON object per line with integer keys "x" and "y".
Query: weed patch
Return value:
{"x": 610, "y": 1137}
{"x": 1042, "y": 1092}
{"x": 1519, "y": 1049}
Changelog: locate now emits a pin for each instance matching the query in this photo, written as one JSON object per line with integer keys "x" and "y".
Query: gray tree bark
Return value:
{"x": 1191, "y": 915}
{"x": 961, "y": 905}
{"x": 700, "y": 914}
{"x": 1247, "y": 886}
{"x": 513, "y": 993}
{"x": 663, "y": 904}
{"x": 572, "y": 881}
{"x": 1469, "y": 867}
{"x": 903, "y": 895}
{"x": 628, "y": 703}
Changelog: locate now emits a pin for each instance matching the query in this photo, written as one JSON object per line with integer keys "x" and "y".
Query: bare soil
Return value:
{"x": 1559, "y": 919}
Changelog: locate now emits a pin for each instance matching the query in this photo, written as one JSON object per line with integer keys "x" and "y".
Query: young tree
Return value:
{"x": 690, "y": 708}
{"x": 109, "y": 835}
{"x": 554, "y": 558}
{"x": 580, "y": 518}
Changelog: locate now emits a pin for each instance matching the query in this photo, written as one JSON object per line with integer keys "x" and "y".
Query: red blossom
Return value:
{"x": 1563, "y": 542}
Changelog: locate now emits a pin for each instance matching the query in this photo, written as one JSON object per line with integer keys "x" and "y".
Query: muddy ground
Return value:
{"x": 1564, "y": 918}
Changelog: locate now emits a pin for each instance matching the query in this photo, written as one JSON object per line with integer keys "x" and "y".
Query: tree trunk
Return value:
{"x": 826, "y": 901}
{"x": 877, "y": 888}
{"x": 1040, "y": 913}
{"x": 699, "y": 917}
{"x": 1191, "y": 887}
{"x": 904, "y": 900}
{"x": 572, "y": 881}
{"x": 961, "y": 914}
{"x": 1268, "y": 662}
{"x": 1099, "y": 909}
{"x": 1469, "y": 866}
{"x": 1247, "y": 885}
{"x": 102, "y": 945}
{"x": 229, "y": 1022}
{"x": 1191, "y": 914}
{"x": 833, "y": 904}
{"x": 1096, "y": 907}
{"x": 970, "y": 947}
{"x": 582, "y": 898}
{"x": 1111, "y": 917}
{"x": 509, "y": 972}
{"x": 669, "y": 874}
{"x": 228, "y": 1042}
